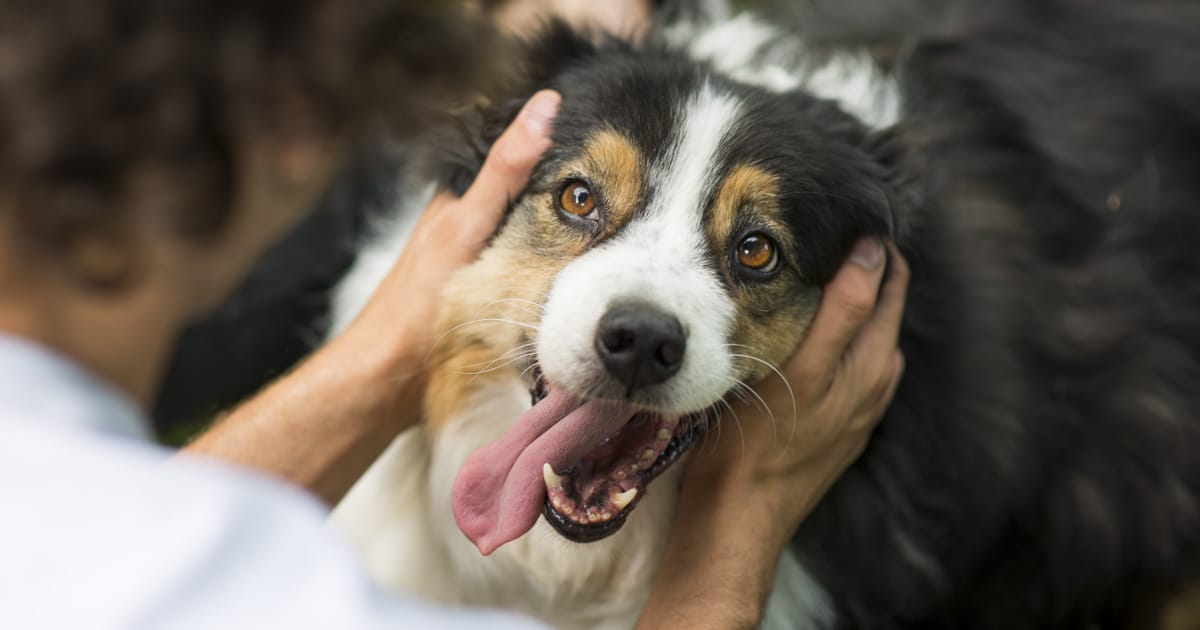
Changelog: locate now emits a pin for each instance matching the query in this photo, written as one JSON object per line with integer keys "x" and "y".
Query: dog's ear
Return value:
{"x": 897, "y": 191}
{"x": 456, "y": 146}
{"x": 861, "y": 185}
{"x": 873, "y": 180}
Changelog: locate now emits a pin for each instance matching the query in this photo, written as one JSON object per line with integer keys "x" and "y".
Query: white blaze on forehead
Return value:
{"x": 683, "y": 181}
{"x": 659, "y": 258}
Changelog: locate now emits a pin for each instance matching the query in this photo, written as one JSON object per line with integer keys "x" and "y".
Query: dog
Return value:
{"x": 1036, "y": 163}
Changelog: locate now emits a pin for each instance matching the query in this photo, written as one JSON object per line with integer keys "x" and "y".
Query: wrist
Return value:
{"x": 782, "y": 500}
{"x": 719, "y": 568}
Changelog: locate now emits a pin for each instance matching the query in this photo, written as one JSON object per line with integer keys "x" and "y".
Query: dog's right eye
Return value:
{"x": 577, "y": 200}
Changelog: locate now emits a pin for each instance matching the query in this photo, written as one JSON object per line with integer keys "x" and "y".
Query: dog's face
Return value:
{"x": 668, "y": 252}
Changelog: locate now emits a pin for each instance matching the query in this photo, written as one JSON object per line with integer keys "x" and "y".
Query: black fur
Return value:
{"x": 1040, "y": 454}
{"x": 1038, "y": 467}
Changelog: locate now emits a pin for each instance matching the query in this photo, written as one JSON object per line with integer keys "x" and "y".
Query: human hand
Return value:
{"x": 743, "y": 497}
{"x": 305, "y": 427}
{"x": 839, "y": 383}
{"x": 450, "y": 235}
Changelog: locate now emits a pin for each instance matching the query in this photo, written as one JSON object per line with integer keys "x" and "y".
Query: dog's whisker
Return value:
{"x": 486, "y": 320}
{"x": 523, "y": 348}
{"x": 498, "y": 367}
{"x": 526, "y": 371}
{"x": 737, "y": 422}
{"x": 791, "y": 393}
{"x": 758, "y": 401}
{"x": 476, "y": 322}
{"x": 520, "y": 301}
{"x": 492, "y": 320}
{"x": 504, "y": 360}
{"x": 741, "y": 389}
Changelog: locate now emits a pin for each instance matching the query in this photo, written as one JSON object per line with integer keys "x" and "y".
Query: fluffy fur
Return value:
{"x": 1036, "y": 164}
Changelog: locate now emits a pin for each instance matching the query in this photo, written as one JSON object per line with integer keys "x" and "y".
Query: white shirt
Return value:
{"x": 99, "y": 529}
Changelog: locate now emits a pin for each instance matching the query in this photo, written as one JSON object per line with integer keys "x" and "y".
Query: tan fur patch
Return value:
{"x": 772, "y": 316}
{"x": 489, "y": 314}
{"x": 491, "y": 309}
{"x": 745, "y": 186}
{"x": 615, "y": 166}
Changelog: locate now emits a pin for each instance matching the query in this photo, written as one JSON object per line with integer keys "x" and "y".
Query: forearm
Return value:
{"x": 323, "y": 424}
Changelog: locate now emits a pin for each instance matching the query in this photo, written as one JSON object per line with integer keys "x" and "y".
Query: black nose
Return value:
{"x": 640, "y": 345}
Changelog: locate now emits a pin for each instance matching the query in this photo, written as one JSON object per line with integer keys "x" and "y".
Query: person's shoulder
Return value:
{"x": 108, "y": 532}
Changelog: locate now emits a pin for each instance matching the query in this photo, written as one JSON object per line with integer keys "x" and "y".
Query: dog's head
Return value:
{"x": 669, "y": 251}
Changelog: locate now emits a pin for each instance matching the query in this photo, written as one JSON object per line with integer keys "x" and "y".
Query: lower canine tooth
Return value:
{"x": 552, "y": 479}
{"x": 623, "y": 499}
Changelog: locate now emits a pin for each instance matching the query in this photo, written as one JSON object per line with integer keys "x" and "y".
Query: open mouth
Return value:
{"x": 590, "y": 499}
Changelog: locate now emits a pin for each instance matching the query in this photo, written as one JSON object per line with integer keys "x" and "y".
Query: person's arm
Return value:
{"x": 323, "y": 424}
{"x": 743, "y": 499}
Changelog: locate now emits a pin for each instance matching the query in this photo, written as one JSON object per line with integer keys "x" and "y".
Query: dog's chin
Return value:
{"x": 592, "y": 498}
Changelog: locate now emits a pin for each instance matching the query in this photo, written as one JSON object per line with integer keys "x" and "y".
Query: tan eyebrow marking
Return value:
{"x": 615, "y": 164}
{"x": 745, "y": 184}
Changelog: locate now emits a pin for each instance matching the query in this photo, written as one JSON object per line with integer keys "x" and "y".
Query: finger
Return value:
{"x": 847, "y": 303}
{"x": 881, "y": 334}
{"x": 882, "y": 330}
{"x": 875, "y": 407}
{"x": 512, "y": 158}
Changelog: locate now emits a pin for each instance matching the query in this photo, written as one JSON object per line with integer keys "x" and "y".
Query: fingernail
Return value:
{"x": 541, "y": 110}
{"x": 867, "y": 253}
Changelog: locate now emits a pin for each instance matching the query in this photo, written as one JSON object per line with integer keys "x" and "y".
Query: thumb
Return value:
{"x": 512, "y": 158}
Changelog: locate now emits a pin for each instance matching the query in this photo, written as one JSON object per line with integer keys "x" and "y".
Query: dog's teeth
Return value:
{"x": 664, "y": 434}
{"x": 648, "y": 455}
{"x": 553, "y": 481}
{"x": 623, "y": 499}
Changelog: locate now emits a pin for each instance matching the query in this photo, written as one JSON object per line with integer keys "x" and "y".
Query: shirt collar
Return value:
{"x": 40, "y": 385}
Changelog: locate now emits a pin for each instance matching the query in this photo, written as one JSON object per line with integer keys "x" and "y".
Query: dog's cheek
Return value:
{"x": 770, "y": 324}
{"x": 489, "y": 310}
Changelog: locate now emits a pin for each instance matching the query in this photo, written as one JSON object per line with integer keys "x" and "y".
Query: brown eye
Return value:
{"x": 758, "y": 252}
{"x": 577, "y": 199}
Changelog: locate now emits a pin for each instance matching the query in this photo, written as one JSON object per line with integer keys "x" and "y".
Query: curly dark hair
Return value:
{"x": 111, "y": 108}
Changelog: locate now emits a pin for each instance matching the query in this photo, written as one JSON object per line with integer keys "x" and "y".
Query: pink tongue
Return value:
{"x": 499, "y": 492}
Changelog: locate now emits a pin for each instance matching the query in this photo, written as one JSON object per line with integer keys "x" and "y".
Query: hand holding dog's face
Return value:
{"x": 668, "y": 252}
{"x": 449, "y": 235}
{"x": 823, "y": 404}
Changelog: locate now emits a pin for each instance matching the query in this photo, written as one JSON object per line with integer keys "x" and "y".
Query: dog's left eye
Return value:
{"x": 577, "y": 200}
{"x": 758, "y": 253}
